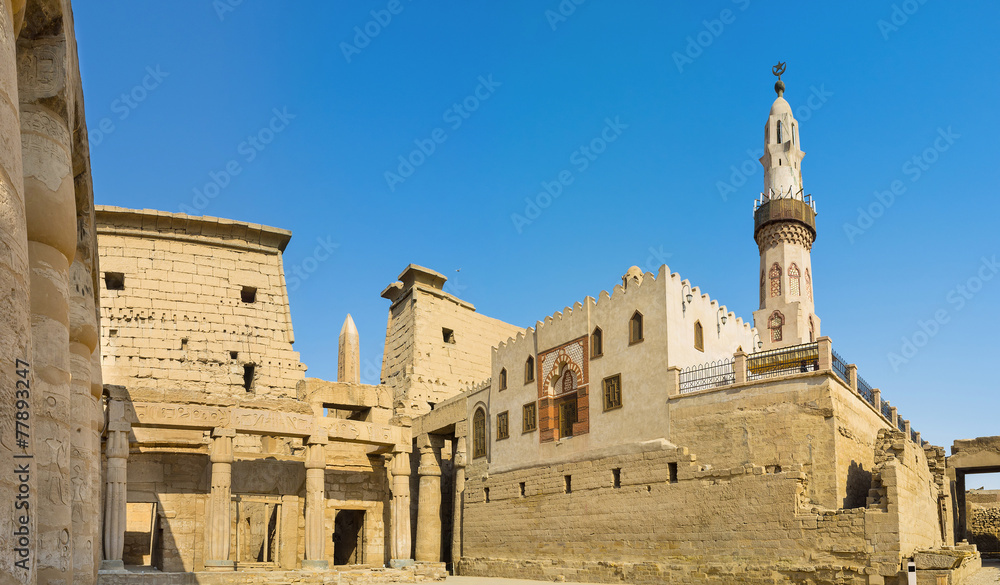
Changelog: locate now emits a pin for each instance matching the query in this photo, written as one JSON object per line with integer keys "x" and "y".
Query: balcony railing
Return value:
{"x": 710, "y": 375}
{"x": 787, "y": 361}
{"x": 779, "y": 362}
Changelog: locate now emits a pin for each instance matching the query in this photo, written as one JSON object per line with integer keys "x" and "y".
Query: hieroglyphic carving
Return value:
{"x": 41, "y": 69}
{"x": 272, "y": 422}
{"x": 176, "y": 415}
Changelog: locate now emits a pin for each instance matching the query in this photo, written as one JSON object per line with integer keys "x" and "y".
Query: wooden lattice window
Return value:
{"x": 812, "y": 330}
{"x": 775, "y": 275}
{"x": 635, "y": 328}
{"x": 479, "y": 434}
{"x": 699, "y": 336}
{"x": 613, "y": 392}
{"x": 503, "y": 425}
{"x": 793, "y": 280}
{"x": 529, "y": 370}
{"x": 809, "y": 285}
{"x": 530, "y": 417}
{"x": 597, "y": 343}
{"x": 763, "y": 281}
{"x": 775, "y": 323}
{"x": 503, "y": 378}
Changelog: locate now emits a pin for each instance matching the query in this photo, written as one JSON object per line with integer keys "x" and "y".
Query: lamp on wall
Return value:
{"x": 720, "y": 320}
{"x": 689, "y": 297}
{"x": 756, "y": 337}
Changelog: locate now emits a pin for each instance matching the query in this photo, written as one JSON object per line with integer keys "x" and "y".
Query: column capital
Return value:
{"x": 222, "y": 447}
{"x": 315, "y": 456}
{"x": 219, "y": 432}
{"x": 428, "y": 462}
{"x": 317, "y": 439}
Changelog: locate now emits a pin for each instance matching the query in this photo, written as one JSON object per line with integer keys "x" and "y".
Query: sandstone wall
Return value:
{"x": 709, "y": 526}
{"x": 983, "y": 519}
{"x": 181, "y": 321}
{"x": 776, "y": 425}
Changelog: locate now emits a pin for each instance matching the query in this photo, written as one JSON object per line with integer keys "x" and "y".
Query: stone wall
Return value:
{"x": 181, "y": 319}
{"x": 706, "y": 527}
{"x": 983, "y": 520}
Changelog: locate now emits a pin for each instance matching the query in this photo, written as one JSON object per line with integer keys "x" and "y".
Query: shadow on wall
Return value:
{"x": 859, "y": 482}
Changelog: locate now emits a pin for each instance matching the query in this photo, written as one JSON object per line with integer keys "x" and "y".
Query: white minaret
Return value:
{"x": 349, "y": 356}
{"x": 785, "y": 229}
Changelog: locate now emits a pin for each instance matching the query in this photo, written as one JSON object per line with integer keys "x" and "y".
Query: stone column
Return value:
{"x": 50, "y": 209}
{"x": 96, "y": 429}
{"x": 17, "y": 563}
{"x": 456, "y": 529}
{"x": 428, "y": 504}
{"x": 400, "y": 509}
{"x": 116, "y": 494}
{"x": 219, "y": 501}
{"x": 84, "y": 453}
{"x": 315, "y": 540}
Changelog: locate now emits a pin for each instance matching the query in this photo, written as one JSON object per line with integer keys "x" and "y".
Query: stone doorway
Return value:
{"x": 968, "y": 459}
{"x": 141, "y": 538}
{"x": 257, "y": 530}
{"x": 348, "y": 537}
{"x": 566, "y": 411}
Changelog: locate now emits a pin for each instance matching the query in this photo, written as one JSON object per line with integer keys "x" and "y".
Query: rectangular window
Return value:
{"x": 114, "y": 280}
{"x": 672, "y": 469}
{"x": 616, "y": 474}
{"x": 448, "y": 335}
{"x": 569, "y": 483}
{"x": 248, "y": 294}
{"x": 530, "y": 418}
{"x": 613, "y": 392}
{"x": 503, "y": 431}
{"x": 486, "y": 494}
{"x": 522, "y": 489}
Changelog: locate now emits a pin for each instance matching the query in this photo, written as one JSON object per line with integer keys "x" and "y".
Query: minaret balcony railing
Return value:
{"x": 788, "y": 207}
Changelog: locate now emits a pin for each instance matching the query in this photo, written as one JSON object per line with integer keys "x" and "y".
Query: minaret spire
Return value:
{"x": 349, "y": 355}
{"x": 785, "y": 229}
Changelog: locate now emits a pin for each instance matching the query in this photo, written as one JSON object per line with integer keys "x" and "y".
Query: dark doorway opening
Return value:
{"x": 348, "y": 537}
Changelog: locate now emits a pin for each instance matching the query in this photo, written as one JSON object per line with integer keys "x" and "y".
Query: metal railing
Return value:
{"x": 779, "y": 362}
{"x": 840, "y": 368}
{"x": 913, "y": 435}
{"x": 886, "y": 410}
{"x": 899, "y": 423}
{"x": 866, "y": 391}
{"x": 710, "y": 375}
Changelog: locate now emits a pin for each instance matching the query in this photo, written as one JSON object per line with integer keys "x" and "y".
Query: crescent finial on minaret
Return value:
{"x": 777, "y": 70}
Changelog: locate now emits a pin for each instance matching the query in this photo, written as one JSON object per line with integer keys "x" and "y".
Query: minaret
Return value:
{"x": 785, "y": 229}
{"x": 349, "y": 356}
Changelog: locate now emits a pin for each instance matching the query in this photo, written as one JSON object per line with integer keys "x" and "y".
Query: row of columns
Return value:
{"x": 428, "y": 545}
{"x": 49, "y": 331}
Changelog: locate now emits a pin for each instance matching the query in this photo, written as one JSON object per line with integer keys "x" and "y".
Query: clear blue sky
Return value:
{"x": 689, "y": 85}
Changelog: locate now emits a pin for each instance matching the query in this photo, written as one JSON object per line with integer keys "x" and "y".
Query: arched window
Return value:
{"x": 529, "y": 370}
{"x": 479, "y": 434}
{"x": 775, "y": 275}
{"x": 812, "y": 330}
{"x": 503, "y": 378}
{"x": 635, "y": 328}
{"x": 597, "y": 343}
{"x": 793, "y": 133}
{"x": 762, "y": 289}
{"x": 774, "y": 323}
{"x": 793, "y": 280}
{"x": 779, "y": 132}
{"x": 699, "y": 336}
{"x": 809, "y": 285}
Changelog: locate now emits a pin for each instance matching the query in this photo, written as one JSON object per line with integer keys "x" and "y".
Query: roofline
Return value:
{"x": 226, "y": 232}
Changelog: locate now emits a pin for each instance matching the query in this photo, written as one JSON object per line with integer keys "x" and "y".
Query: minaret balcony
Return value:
{"x": 773, "y": 209}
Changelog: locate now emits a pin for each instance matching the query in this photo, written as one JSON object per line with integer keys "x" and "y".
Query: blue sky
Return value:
{"x": 291, "y": 115}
